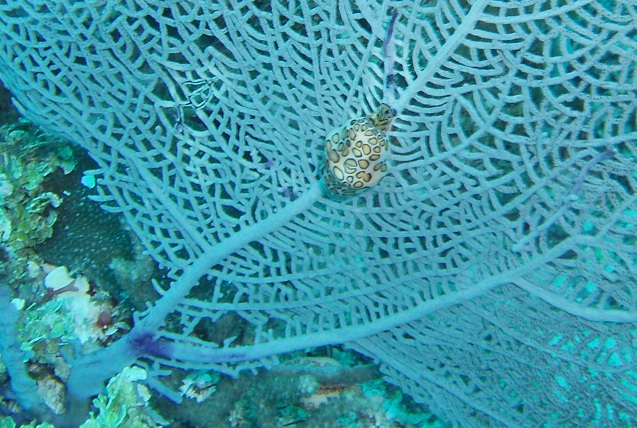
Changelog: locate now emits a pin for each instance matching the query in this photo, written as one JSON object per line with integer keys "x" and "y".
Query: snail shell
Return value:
{"x": 356, "y": 153}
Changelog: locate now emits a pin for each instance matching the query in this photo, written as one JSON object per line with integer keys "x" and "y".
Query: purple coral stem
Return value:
{"x": 389, "y": 54}
{"x": 597, "y": 159}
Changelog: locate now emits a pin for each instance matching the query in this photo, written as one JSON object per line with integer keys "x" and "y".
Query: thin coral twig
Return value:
{"x": 389, "y": 53}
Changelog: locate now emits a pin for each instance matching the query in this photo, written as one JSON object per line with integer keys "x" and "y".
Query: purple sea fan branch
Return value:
{"x": 567, "y": 203}
{"x": 389, "y": 54}
{"x": 597, "y": 159}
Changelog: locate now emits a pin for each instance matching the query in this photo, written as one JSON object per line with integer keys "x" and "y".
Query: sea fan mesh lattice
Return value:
{"x": 491, "y": 273}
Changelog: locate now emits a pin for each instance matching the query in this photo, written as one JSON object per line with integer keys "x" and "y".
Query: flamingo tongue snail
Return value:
{"x": 356, "y": 153}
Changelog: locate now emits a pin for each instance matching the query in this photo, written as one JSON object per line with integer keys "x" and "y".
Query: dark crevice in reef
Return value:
{"x": 88, "y": 239}
{"x": 8, "y": 113}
